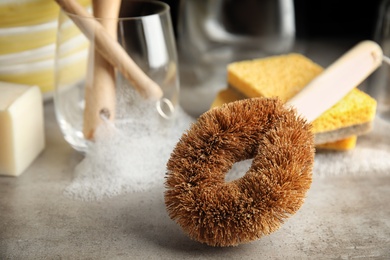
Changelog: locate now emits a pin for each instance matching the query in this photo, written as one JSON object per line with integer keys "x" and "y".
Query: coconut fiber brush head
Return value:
{"x": 219, "y": 213}
{"x": 279, "y": 139}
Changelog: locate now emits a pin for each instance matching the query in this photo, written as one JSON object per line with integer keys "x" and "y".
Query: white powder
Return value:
{"x": 131, "y": 156}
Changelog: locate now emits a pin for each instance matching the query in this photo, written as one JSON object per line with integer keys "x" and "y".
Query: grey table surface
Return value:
{"x": 343, "y": 217}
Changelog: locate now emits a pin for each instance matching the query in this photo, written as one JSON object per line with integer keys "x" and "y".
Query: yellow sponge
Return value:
{"x": 341, "y": 145}
{"x": 284, "y": 76}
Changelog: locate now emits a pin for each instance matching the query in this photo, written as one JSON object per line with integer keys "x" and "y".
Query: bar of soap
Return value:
{"x": 22, "y": 136}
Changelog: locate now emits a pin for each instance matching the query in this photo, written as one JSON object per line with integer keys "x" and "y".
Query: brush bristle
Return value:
{"x": 220, "y": 213}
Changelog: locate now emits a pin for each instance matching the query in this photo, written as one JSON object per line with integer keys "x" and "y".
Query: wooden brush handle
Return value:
{"x": 100, "y": 92}
{"x": 346, "y": 73}
{"x": 111, "y": 50}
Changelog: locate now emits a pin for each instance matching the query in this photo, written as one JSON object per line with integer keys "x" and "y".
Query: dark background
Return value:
{"x": 353, "y": 19}
{"x": 336, "y": 18}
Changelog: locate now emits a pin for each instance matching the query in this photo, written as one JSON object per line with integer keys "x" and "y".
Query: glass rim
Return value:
{"x": 164, "y": 10}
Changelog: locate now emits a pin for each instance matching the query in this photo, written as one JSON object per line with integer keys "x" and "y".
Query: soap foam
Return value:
{"x": 370, "y": 157}
{"x": 130, "y": 156}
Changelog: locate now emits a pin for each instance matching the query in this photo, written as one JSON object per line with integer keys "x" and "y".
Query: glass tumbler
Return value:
{"x": 143, "y": 29}
{"x": 214, "y": 33}
{"x": 379, "y": 82}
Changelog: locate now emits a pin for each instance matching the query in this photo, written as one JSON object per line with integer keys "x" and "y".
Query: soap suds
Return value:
{"x": 132, "y": 156}
{"x": 370, "y": 157}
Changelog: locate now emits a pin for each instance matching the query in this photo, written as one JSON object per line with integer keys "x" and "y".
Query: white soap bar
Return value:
{"x": 21, "y": 127}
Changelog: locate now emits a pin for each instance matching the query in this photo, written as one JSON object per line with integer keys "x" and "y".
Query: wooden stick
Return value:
{"x": 100, "y": 92}
{"x": 111, "y": 50}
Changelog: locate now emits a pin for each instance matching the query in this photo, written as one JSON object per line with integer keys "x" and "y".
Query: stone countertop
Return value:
{"x": 344, "y": 217}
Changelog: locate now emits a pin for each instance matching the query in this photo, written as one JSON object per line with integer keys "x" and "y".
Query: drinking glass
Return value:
{"x": 214, "y": 33}
{"x": 144, "y": 31}
{"x": 379, "y": 82}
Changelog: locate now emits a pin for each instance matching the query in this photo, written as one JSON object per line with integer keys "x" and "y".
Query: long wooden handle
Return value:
{"x": 100, "y": 98}
{"x": 111, "y": 50}
{"x": 337, "y": 80}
